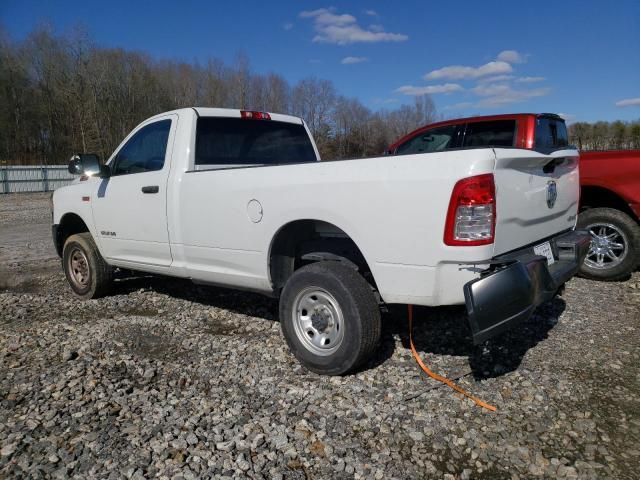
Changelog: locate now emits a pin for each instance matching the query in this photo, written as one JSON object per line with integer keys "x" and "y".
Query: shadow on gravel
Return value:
{"x": 437, "y": 330}
{"x": 445, "y": 331}
{"x": 243, "y": 303}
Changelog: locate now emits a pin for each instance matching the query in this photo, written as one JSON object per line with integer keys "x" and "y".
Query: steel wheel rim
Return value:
{"x": 608, "y": 247}
{"x": 78, "y": 267}
{"x": 318, "y": 321}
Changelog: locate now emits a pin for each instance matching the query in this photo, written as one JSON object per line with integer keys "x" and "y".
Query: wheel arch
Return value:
{"x": 595, "y": 196}
{"x": 300, "y": 242}
{"x": 70, "y": 224}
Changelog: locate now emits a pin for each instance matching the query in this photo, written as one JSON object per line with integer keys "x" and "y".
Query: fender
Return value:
{"x": 75, "y": 200}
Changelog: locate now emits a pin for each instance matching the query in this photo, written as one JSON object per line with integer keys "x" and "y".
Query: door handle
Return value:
{"x": 151, "y": 189}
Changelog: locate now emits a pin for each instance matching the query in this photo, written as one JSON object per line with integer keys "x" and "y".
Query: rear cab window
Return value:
{"x": 551, "y": 134}
{"x": 223, "y": 142}
{"x": 499, "y": 133}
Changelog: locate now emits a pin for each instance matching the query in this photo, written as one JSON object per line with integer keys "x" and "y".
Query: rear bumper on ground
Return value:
{"x": 518, "y": 282}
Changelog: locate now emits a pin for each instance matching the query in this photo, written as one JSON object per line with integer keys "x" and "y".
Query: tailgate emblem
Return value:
{"x": 552, "y": 193}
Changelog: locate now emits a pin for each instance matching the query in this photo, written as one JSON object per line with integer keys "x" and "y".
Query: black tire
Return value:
{"x": 629, "y": 230}
{"x": 95, "y": 280}
{"x": 357, "y": 305}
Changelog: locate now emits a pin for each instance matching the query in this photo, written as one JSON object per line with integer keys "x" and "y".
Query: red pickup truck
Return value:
{"x": 610, "y": 180}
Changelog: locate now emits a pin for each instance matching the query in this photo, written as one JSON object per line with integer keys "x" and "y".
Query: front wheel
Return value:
{"x": 615, "y": 244}
{"x": 89, "y": 276}
{"x": 330, "y": 317}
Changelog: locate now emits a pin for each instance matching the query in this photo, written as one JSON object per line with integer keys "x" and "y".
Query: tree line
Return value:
{"x": 605, "y": 135}
{"x": 62, "y": 94}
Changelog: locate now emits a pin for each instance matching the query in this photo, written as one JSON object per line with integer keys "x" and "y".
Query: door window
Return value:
{"x": 432, "y": 140}
{"x": 145, "y": 151}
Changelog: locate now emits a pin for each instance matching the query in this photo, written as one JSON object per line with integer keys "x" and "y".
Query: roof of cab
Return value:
{"x": 226, "y": 112}
{"x": 463, "y": 120}
{"x": 235, "y": 113}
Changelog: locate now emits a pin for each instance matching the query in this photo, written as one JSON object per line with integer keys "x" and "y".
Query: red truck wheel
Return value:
{"x": 615, "y": 244}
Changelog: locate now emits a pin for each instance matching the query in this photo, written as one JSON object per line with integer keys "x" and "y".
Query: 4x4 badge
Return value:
{"x": 552, "y": 193}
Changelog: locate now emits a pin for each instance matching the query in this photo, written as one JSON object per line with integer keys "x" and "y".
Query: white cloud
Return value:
{"x": 326, "y": 16}
{"x": 530, "y": 79}
{"x": 497, "y": 78}
{"x": 503, "y": 94}
{"x": 343, "y": 29}
{"x": 629, "y": 102}
{"x": 429, "y": 89}
{"x": 287, "y": 26}
{"x": 511, "y": 56}
{"x": 488, "y": 90}
{"x": 459, "y": 72}
{"x": 371, "y": 13}
{"x": 352, "y": 60}
{"x": 495, "y": 83}
{"x": 568, "y": 117}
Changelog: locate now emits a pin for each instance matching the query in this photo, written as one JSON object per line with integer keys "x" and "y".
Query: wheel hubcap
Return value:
{"x": 79, "y": 268}
{"x": 318, "y": 321}
{"x": 608, "y": 246}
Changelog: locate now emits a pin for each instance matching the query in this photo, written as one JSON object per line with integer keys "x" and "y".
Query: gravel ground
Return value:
{"x": 171, "y": 380}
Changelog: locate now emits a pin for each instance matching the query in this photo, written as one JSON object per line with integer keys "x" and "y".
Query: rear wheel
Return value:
{"x": 330, "y": 317}
{"x": 615, "y": 244}
{"x": 89, "y": 276}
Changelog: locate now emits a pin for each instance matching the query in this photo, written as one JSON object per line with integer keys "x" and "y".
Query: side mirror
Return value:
{"x": 87, "y": 164}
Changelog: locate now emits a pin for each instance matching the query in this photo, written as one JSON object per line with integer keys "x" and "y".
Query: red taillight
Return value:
{"x": 471, "y": 218}
{"x": 255, "y": 115}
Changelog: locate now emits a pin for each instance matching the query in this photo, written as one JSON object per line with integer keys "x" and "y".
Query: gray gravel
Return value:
{"x": 167, "y": 379}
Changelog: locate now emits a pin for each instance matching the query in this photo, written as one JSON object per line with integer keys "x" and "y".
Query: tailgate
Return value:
{"x": 536, "y": 196}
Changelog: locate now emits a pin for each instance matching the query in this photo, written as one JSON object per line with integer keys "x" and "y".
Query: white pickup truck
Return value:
{"x": 241, "y": 199}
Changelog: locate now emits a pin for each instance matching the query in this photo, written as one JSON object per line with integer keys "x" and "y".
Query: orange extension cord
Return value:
{"x": 437, "y": 377}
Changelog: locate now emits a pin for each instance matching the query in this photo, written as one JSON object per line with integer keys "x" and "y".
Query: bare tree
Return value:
{"x": 63, "y": 93}
{"x": 605, "y": 135}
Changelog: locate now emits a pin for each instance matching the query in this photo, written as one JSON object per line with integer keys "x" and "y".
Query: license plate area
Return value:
{"x": 544, "y": 249}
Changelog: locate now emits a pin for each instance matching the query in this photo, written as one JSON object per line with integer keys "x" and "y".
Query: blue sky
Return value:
{"x": 579, "y": 58}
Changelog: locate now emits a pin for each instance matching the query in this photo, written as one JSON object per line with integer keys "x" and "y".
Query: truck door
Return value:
{"x": 130, "y": 207}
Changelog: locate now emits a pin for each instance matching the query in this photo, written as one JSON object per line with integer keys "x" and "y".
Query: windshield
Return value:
{"x": 430, "y": 141}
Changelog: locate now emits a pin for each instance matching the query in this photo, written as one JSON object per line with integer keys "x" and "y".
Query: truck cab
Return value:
{"x": 543, "y": 132}
{"x": 240, "y": 199}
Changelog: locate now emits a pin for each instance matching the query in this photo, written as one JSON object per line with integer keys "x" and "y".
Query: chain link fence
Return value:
{"x": 23, "y": 178}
